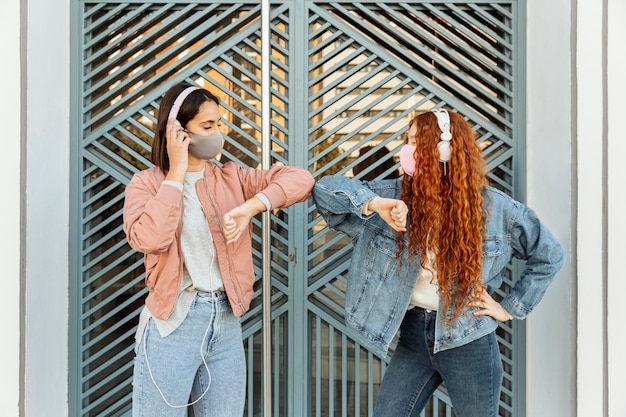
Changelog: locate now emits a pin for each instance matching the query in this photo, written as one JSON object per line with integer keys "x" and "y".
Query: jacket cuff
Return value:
{"x": 360, "y": 201}
{"x": 174, "y": 184}
{"x": 169, "y": 193}
{"x": 513, "y": 308}
{"x": 264, "y": 200}
{"x": 275, "y": 195}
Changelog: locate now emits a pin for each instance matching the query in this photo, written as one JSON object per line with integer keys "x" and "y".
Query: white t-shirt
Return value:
{"x": 425, "y": 291}
{"x": 201, "y": 271}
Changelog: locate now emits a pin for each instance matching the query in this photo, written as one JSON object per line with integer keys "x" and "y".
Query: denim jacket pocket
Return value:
{"x": 378, "y": 293}
{"x": 491, "y": 257}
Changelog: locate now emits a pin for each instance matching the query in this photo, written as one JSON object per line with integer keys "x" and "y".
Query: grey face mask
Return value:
{"x": 205, "y": 146}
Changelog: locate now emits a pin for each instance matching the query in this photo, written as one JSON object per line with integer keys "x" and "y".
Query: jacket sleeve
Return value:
{"x": 544, "y": 255}
{"x": 282, "y": 185}
{"x": 339, "y": 200}
{"x": 151, "y": 217}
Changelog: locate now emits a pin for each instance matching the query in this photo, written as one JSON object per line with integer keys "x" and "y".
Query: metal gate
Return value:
{"x": 345, "y": 77}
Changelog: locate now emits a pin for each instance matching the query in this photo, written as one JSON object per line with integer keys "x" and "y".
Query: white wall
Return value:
{"x": 34, "y": 115}
{"x": 10, "y": 219}
{"x": 616, "y": 175}
{"x": 589, "y": 138}
{"x": 550, "y": 331}
{"x": 47, "y": 208}
{"x": 600, "y": 90}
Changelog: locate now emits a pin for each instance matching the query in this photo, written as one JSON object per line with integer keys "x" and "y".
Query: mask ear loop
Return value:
{"x": 206, "y": 366}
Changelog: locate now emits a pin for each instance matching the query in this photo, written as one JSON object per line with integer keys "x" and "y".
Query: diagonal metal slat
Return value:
{"x": 352, "y": 103}
{"x": 112, "y": 29}
{"x": 191, "y": 37}
{"x": 478, "y": 48}
{"x": 165, "y": 33}
{"x": 392, "y": 51}
{"x": 178, "y": 53}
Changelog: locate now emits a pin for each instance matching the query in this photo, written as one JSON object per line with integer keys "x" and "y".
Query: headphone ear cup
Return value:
{"x": 444, "y": 150}
{"x": 443, "y": 120}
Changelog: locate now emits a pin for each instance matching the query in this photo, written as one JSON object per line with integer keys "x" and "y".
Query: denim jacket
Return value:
{"x": 379, "y": 288}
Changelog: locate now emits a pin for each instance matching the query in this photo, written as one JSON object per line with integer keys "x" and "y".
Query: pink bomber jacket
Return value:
{"x": 153, "y": 222}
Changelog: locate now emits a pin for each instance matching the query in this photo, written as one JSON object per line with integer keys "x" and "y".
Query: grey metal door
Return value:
{"x": 344, "y": 76}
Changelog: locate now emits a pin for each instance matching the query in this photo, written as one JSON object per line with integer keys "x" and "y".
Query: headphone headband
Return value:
{"x": 179, "y": 101}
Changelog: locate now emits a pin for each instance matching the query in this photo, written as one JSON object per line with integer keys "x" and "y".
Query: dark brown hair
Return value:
{"x": 380, "y": 154}
{"x": 188, "y": 110}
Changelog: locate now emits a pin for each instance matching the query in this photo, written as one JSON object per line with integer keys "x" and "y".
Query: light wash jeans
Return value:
{"x": 175, "y": 372}
{"x": 472, "y": 372}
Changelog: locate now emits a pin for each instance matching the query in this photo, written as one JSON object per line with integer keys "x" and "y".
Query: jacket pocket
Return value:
{"x": 151, "y": 261}
{"x": 381, "y": 256}
{"x": 492, "y": 251}
{"x": 374, "y": 288}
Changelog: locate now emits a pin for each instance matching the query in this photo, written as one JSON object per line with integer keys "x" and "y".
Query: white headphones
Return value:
{"x": 443, "y": 120}
{"x": 179, "y": 101}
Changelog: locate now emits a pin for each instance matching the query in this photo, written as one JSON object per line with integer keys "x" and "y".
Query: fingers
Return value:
{"x": 233, "y": 227}
{"x": 398, "y": 215}
{"x": 232, "y": 231}
{"x": 481, "y": 300}
{"x": 175, "y": 132}
{"x": 400, "y": 210}
{"x": 177, "y": 145}
{"x": 487, "y": 306}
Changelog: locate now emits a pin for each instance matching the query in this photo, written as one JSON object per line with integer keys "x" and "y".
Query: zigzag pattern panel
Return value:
{"x": 371, "y": 67}
{"x": 131, "y": 54}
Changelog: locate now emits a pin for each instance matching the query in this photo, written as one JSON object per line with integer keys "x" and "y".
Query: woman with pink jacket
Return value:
{"x": 190, "y": 217}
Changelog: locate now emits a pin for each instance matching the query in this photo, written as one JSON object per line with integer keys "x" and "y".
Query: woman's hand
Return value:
{"x": 236, "y": 221}
{"x": 392, "y": 211}
{"x": 489, "y": 307}
{"x": 177, "y": 150}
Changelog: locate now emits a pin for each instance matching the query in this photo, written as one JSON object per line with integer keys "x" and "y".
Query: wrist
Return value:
{"x": 372, "y": 205}
{"x": 256, "y": 206}
{"x": 177, "y": 175}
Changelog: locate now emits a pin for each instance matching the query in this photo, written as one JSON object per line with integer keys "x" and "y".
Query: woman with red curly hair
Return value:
{"x": 429, "y": 249}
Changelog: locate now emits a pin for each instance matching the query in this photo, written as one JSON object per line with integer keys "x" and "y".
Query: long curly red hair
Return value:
{"x": 448, "y": 213}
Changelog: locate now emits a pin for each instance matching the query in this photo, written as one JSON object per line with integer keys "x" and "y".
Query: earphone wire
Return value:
{"x": 206, "y": 366}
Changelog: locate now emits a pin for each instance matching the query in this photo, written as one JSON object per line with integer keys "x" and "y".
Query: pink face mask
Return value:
{"x": 407, "y": 161}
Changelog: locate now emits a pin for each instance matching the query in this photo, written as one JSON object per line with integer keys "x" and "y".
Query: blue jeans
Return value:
{"x": 472, "y": 373}
{"x": 175, "y": 371}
